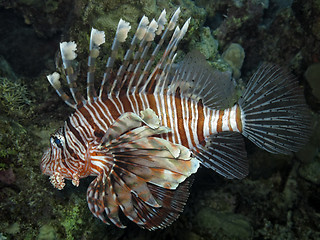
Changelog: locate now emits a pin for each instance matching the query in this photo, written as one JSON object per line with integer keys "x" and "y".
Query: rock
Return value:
{"x": 310, "y": 151}
{"x": 2, "y": 237}
{"x": 188, "y": 235}
{"x": 7, "y": 176}
{"x": 47, "y": 232}
{"x": 13, "y": 229}
{"x": 309, "y": 155}
{"x": 208, "y": 46}
{"x": 316, "y": 27}
{"x": 311, "y": 171}
{"x": 222, "y": 225}
{"x": 312, "y": 75}
{"x": 234, "y": 56}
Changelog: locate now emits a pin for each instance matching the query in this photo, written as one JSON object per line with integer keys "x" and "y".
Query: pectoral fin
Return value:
{"x": 146, "y": 176}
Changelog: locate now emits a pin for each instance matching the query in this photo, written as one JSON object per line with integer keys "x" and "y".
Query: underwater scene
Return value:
{"x": 151, "y": 119}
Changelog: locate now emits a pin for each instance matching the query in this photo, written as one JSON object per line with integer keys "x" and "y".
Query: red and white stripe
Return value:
{"x": 190, "y": 122}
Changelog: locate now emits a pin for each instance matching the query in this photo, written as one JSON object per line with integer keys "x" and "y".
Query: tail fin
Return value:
{"x": 274, "y": 114}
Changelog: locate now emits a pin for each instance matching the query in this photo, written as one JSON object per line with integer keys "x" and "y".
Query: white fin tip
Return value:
{"x": 195, "y": 165}
{"x": 162, "y": 20}
{"x": 122, "y": 30}
{"x": 176, "y": 33}
{"x": 68, "y": 50}
{"x": 151, "y": 30}
{"x": 184, "y": 28}
{"x": 142, "y": 28}
{"x": 54, "y": 80}
{"x": 174, "y": 19}
{"x": 97, "y": 37}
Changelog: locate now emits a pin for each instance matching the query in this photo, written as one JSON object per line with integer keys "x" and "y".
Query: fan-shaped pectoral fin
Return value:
{"x": 102, "y": 201}
{"x": 148, "y": 177}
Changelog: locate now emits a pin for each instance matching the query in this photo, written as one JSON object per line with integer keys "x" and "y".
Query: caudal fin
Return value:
{"x": 274, "y": 113}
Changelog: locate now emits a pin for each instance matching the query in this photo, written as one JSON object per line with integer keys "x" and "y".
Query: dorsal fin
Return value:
{"x": 193, "y": 79}
{"x": 159, "y": 74}
{"x": 68, "y": 56}
{"x": 120, "y": 37}
{"x": 135, "y": 72}
{"x": 196, "y": 79}
{"x": 96, "y": 39}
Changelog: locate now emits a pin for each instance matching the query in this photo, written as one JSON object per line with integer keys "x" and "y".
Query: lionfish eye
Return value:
{"x": 57, "y": 141}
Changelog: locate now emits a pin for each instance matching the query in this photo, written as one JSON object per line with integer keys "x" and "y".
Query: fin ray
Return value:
{"x": 172, "y": 203}
{"x": 197, "y": 80}
{"x": 224, "y": 153}
{"x": 275, "y": 115}
{"x": 136, "y": 166}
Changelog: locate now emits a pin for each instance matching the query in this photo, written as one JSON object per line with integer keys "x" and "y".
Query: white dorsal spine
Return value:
{"x": 142, "y": 52}
{"x": 54, "y": 80}
{"x": 142, "y": 28}
{"x": 170, "y": 27}
{"x": 134, "y": 73}
{"x": 168, "y": 56}
{"x": 150, "y": 34}
{"x": 68, "y": 55}
{"x": 174, "y": 19}
{"x": 162, "y": 21}
{"x": 122, "y": 31}
{"x": 56, "y": 84}
{"x": 96, "y": 39}
{"x": 121, "y": 35}
{"x": 139, "y": 35}
{"x": 68, "y": 51}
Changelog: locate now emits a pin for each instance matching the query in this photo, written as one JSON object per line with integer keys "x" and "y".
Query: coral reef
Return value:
{"x": 234, "y": 56}
{"x": 47, "y": 232}
{"x": 278, "y": 200}
{"x": 207, "y": 45}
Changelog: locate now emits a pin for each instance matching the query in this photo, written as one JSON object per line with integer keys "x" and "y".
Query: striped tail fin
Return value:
{"x": 274, "y": 114}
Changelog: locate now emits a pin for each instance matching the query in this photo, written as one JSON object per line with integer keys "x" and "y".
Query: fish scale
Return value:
{"x": 151, "y": 125}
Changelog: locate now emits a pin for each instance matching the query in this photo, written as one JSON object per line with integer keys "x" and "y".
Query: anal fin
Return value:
{"x": 172, "y": 202}
{"x": 225, "y": 154}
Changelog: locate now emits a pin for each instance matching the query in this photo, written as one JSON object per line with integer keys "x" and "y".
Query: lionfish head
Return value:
{"x": 54, "y": 162}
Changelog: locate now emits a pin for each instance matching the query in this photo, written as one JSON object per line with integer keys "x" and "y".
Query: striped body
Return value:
{"x": 190, "y": 122}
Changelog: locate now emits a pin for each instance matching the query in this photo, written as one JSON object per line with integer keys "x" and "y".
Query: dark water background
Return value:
{"x": 278, "y": 200}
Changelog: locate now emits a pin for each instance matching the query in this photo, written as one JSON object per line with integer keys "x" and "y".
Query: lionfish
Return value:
{"x": 152, "y": 123}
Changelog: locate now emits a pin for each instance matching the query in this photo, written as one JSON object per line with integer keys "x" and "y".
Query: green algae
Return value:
{"x": 72, "y": 218}
{"x": 15, "y": 108}
{"x": 12, "y": 138}
{"x": 207, "y": 45}
{"x": 14, "y": 99}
